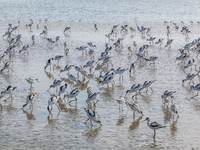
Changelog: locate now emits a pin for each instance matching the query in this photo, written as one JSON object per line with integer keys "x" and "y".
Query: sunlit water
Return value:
{"x": 26, "y": 129}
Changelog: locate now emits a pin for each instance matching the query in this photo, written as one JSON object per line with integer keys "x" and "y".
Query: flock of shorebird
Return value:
{"x": 103, "y": 60}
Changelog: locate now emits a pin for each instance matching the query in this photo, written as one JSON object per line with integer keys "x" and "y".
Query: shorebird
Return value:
{"x": 49, "y": 63}
{"x": 67, "y": 29}
{"x": 91, "y": 44}
{"x": 160, "y": 41}
{"x": 196, "y": 88}
{"x": 169, "y": 42}
{"x": 6, "y": 66}
{"x": 55, "y": 84}
{"x": 132, "y": 67}
{"x": 189, "y": 77}
{"x": 89, "y": 91}
{"x": 31, "y": 81}
{"x": 66, "y": 68}
{"x": 134, "y": 107}
{"x": 9, "y": 91}
{"x": 107, "y": 80}
{"x": 92, "y": 97}
{"x": 67, "y": 51}
{"x": 72, "y": 94}
{"x": 168, "y": 94}
{"x": 51, "y": 101}
{"x": 174, "y": 109}
{"x": 24, "y": 48}
{"x": 134, "y": 88}
{"x": 121, "y": 100}
{"x": 58, "y": 57}
{"x": 119, "y": 71}
{"x": 190, "y": 63}
{"x": 154, "y": 126}
{"x": 62, "y": 89}
{"x": 92, "y": 116}
{"x": 29, "y": 100}
{"x": 147, "y": 85}
{"x": 152, "y": 58}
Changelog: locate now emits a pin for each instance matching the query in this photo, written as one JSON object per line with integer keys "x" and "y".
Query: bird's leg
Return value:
{"x": 154, "y": 134}
{"x": 1, "y": 107}
{"x": 196, "y": 95}
{"x": 151, "y": 89}
{"x": 87, "y": 120}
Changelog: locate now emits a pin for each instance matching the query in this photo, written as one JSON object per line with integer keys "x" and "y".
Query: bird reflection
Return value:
{"x": 51, "y": 120}
{"x": 63, "y": 107}
{"x": 29, "y": 114}
{"x": 91, "y": 133}
{"x": 49, "y": 75}
{"x": 166, "y": 112}
{"x": 135, "y": 124}
{"x": 120, "y": 121}
{"x": 173, "y": 128}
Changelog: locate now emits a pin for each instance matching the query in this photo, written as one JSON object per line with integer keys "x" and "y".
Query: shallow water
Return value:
{"x": 36, "y": 129}
{"x": 100, "y": 11}
{"x": 22, "y": 129}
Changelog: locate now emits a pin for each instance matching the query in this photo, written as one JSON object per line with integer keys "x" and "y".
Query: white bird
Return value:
{"x": 196, "y": 88}
{"x": 31, "y": 80}
{"x": 154, "y": 126}
{"x": 147, "y": 85}
{"x": 29, "y": 100}
{"x": 174, "y": 109}
{"x": 134, "y": 107}
{"x": 92, "y": 97}
{"x": 9, "y": 91}
{"x": 72, "y": 94}
{"x": 92, "y": 116}
{"x": 51, "y": 101}
{"x": 49, "y": 63}
{"x": 134, "y": 88}
{"x": 55, "y": 84}
{"x": 121, "y": 100}
{"x": 62, "y": 89}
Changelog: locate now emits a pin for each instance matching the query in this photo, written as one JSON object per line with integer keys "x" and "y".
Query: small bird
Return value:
{"x": 62, "y": 89}
{"x": 89, "y": 91}
{"x": 196, "y": 88}
{"x": 92, "y": 97}
{"x": 121, "y": 100}
{"x": 169, "y": 42}
{"x": 66, "y": 68}
{"x": 147, "y": 85}
{"x": 67, "y": 29}
{"x": 134, "y": 88}
{"x": 6, "y": 66}
{"x": 152, "y": 59}
{"x": 174, "y": 109}
{"x": 132, "y": 67}
{"x": 107, "y": 80}
{"x": 51, "y": 101}
{"x": 29, "y": 100}
{"x": 72, "y": 94}
{"x": 9, "y": 91}
{"x": 58, "y": 57}
{"x": 189, "y": 77}
{"x": 154, "y": 126}
{"x": 190, "y": 63}
{"x": 55, "y": 84}
{"x": 31, "y": 80}
{"x": 134, "y": 107}
{"x": 168, "y": 94}
{"x": 92, "y": 116}
{"x": 119, "y": 71}
{"x": 49, "y": 63}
